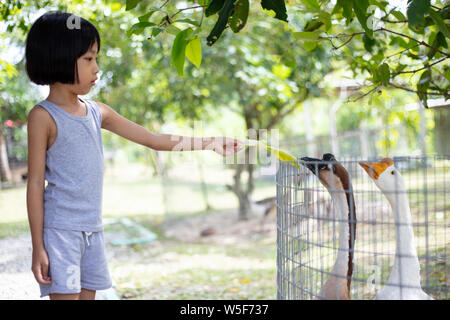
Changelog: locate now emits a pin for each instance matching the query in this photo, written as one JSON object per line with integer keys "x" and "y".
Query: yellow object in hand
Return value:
{"x": 282, "y": 155}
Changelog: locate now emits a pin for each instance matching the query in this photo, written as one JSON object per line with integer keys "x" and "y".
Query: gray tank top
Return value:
{"x": 74, "y": 170}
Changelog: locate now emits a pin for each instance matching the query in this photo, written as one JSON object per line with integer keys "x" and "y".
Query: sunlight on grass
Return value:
{"x": 199, "y": 271}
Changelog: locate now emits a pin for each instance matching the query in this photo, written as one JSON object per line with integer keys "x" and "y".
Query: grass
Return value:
{"x": 175, "y": 270}
{"x": 13, "y": 212}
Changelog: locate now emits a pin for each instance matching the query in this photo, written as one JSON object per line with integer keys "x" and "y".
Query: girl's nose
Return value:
{"x": 97, "y": 69}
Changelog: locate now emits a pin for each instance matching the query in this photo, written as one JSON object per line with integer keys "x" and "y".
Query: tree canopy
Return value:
{"x": 385, "y": 45}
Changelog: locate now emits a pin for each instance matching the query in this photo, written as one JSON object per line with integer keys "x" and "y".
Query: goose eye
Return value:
{"x": 392, "y": 172}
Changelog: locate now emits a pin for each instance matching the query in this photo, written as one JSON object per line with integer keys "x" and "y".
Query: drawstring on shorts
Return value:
{"x": 87, "y": 234}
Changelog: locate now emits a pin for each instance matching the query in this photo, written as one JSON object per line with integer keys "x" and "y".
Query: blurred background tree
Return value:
{"x": 273, "y": 73}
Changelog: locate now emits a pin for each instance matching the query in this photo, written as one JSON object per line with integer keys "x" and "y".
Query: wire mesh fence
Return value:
{"x": 379, "y": 232}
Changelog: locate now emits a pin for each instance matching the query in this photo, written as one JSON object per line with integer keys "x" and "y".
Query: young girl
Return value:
{"x": 65, "y": 148}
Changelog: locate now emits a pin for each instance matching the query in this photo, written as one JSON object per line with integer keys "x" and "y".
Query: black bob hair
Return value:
{"x": 54, "y": 43}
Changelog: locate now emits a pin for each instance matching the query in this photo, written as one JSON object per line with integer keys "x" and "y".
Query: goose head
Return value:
{"x": 387, "y": 178}
{"x": 330, "y": 172}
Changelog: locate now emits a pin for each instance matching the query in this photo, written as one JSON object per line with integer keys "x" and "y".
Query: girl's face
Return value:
{"x": 87, "y": 70}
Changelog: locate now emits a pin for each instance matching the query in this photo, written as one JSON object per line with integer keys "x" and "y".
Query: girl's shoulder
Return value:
{"x": 102, "y": 109}
{"x": 39, "y": 127}
{"x": 39, "y": 114}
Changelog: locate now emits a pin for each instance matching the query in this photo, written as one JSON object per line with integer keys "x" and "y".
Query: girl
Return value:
{"x": 65, "y": 148}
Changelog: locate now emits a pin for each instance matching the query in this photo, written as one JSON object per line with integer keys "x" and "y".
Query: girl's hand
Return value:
{"x": 40, "y": 266}
{"x": 226, "y": 146}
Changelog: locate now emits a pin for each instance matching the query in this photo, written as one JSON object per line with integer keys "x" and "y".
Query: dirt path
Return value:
{"x": 16, "y": 279}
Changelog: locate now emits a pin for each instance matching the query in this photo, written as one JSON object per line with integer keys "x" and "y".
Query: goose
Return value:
{"x": 404, "y": 280}
{"x": 336, "y": 180}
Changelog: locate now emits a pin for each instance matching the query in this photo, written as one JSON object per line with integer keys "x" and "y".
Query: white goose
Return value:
{"x": 337, "y": 181}
{"x": 404, "y": 280}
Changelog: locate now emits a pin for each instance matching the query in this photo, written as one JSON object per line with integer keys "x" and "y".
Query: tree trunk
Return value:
{"x": 203, "y": 185}
{"x": 5, "y": 171}
{"x": 161, "y": 170}
{"x": 244, "y": 206}
{"x": 441, "y": 130}
{"x": 242, "y": 195}
{"x": 237, "y": 188}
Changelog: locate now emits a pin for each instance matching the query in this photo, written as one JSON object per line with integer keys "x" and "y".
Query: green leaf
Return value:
{"x": 375, "y": 75}
{"x": 179, "y": 50}
{"x": 437, "y": 41}
{"x": 194, "y": 51}
{"x": 416, "y": 12}
{"x": 131, "y": 4}
{"x": 398, "y": 15}
{"x": 439, "y": 22}
{"x": 425, "y": 78}
{"x": 441, "y": 41}
{"x": 276, "y": 5}
{"x": 310, "y": 45}
{"x": 311, "y": 4}
{"x": 400, "y": 67}
{"x": 307, "y": 36}
{"x": 240, "y": 15}
{"x": 156, "y": 31}
{"x": 313, "y": 25}
{"x": 190, "y": 21}
{"x": 221, "y": 23}
{"x": 395, "y": 40}
{"x": 337, "y": 7}
{"x": 214, "y": 7}
{"x": 147, "y": 16}
{"x": 384, "y": 74}
{"x": 447, "y": 74}
{"x": 325, "y": 17}
{"x": 281, "y": 71}
{"x": 360, "y": 8}
{"x": 422, "y": 86}
{"x": 171, "y": 29}
{"x": 368, "y": 43}
{"x": 347, "y": 5}
{"x": 139, "y": 27}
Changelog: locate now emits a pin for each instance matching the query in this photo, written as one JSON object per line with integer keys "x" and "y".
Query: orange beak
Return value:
{"x": 374, "y": 169}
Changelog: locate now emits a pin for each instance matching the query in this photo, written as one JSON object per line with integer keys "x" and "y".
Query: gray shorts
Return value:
{"x": 77, "y": 260}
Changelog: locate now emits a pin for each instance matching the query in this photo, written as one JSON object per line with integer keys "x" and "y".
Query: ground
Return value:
{"x": 180, "y": 264}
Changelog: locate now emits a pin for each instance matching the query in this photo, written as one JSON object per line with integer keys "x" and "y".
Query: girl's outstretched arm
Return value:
{"x": 114, "y": 122}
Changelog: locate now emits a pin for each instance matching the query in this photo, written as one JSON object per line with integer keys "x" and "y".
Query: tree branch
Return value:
{"x": 418, "y": 41}
{"x": 390, "y": 21}
{"x": 164, "y": 3}
{"x": 400, "y": 52}
{"x": 365, "y": 94}
{"x": 420, "y": 69}
{"x": 184, "y": 9}
{"x": 415, "y": 91}
{"x": 351, "y": 35}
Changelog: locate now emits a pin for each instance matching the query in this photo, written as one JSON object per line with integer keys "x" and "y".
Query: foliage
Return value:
{"x": 388, "y": 47}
